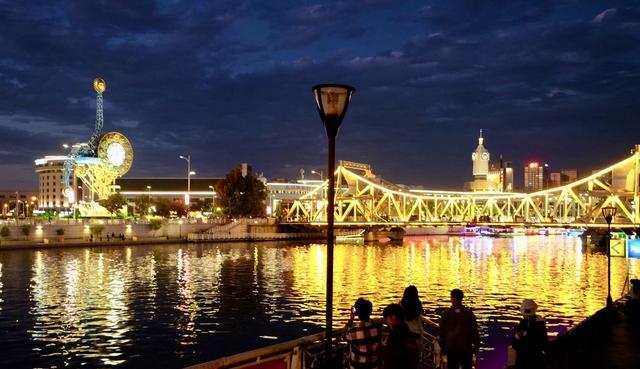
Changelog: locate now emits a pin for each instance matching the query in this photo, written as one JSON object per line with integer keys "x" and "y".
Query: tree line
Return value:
{"x": 238, "y": 195}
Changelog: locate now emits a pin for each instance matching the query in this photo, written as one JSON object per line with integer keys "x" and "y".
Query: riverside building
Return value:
{"x": 536, "y": 177}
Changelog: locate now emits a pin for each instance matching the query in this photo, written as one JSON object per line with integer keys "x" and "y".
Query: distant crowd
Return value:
{"x": 459, "y": 338}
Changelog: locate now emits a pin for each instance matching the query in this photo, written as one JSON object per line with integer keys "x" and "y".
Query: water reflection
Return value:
{"x": 173, "y": 305}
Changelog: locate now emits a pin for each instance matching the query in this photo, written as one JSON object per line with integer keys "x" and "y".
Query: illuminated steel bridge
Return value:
{"x": 363, "y": 199}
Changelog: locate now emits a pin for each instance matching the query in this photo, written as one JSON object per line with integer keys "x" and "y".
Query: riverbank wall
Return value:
{"x": 80, "y": 232}
{"x": 123, "y": 233}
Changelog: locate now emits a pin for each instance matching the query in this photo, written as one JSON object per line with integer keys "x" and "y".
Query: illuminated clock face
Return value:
{"x": 116, "y": 154}
{"x": 474, "y": 156}
{"x": 485, "y": 156}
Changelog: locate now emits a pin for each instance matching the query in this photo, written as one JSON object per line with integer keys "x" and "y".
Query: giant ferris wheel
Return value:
{"x": 101, "y": 160}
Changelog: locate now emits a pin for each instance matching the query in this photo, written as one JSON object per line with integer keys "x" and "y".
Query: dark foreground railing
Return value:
{"x": 307, "y": 353}
{"x": 608, "y": 339}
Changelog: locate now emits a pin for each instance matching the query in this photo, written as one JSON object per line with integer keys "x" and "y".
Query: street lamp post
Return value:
{"x": 17, "y": 208}
{"x": 148, "y": 193}
{"x": 188, "y": 198}
{"x": 332, "y": 101}
{"x": 609, "y": 212}
{"x": 320, "y": 173}
{"x": 213, "y": 197}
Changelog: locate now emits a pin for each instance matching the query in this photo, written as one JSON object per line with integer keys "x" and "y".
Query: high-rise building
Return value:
{"x": 563, "y": 177}
{"x": 501, "y": 173}
{"x": 483, "y": 178}
{"x": 536, "y": 177}
{"x": 507, "y": 176}
{"x": 555, "y": 179}
{"x": 569, "y": 175}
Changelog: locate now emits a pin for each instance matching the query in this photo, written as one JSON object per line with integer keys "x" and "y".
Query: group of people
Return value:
{"x": 459, "y": 338}
{"x": 109, "y": 238}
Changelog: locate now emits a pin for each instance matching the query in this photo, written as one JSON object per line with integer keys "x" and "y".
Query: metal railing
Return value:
{"x": 307, "y": 352}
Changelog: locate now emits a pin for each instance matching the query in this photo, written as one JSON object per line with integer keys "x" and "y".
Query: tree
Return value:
{"x": 113, "y": 203}
{"x": 154, "y": 225}
{"x": 96, "y": 229}
{"x": 241, "y": 196}
{"x": 166, "y": 208}
{"x": 143, "y": 203}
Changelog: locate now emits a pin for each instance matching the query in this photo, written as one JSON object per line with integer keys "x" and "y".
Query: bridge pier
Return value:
{"x": 376, "y": 233}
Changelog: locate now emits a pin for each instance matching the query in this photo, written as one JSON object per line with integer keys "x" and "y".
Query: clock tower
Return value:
{"x": 480, "y": 158}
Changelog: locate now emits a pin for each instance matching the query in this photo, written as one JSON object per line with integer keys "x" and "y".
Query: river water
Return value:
{"x": 175, "y": 305}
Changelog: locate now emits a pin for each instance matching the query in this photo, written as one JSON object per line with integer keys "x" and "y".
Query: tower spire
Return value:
{"x": 480, "y": 139}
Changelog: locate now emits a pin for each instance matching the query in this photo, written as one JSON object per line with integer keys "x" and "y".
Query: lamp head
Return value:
{"x": 609, "y": 212}
{"x": 333, "y": 101}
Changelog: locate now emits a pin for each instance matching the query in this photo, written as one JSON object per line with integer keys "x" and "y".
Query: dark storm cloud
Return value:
{"x": 230, "y": 82}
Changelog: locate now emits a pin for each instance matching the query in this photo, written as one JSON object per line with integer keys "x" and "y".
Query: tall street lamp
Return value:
{"x": 609, "y": 212}
{"x": 213, "y": 197}
{"x": 148, "y": 193}
{"x": 187, "y": 199}
{"x": 332, "y": 101}
{"x": 320, "y": 173}
{"x": 17, "y": 208}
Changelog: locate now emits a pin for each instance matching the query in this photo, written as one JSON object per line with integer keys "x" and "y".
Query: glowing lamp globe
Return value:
{"x": 608, "y": 213}
{"x": 99, "y": 85}
{"x": 332, "y": 99}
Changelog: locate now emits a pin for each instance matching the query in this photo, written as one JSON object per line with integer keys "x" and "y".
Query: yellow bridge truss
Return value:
{"x": 363, "y": 199}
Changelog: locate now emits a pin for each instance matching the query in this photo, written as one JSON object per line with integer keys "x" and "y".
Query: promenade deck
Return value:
{"x": 608, "y": 339}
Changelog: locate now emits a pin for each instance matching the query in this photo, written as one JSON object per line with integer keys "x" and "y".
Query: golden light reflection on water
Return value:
{"x": 118, "y": 306}
{"x": 496, "y": 275}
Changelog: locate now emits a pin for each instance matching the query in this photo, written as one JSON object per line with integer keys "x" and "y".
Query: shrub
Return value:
{"x": 26, "y": 229}
{"x": 4, "y": 231}
{"x": 155, "y": 224}
{"x": 60, "y": 231}
{"x": 96, "y": 229}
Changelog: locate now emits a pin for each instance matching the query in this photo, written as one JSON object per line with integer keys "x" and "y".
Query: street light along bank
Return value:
{"x": 609, "y": 212}
{"x": 187, "y": 198}
{"x": 332, "y": 101}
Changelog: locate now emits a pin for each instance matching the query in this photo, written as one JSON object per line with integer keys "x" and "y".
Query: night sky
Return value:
{"x": 230, "y": 82}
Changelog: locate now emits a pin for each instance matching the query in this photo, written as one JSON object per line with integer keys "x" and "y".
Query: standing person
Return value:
{"x": 413, "y": 311}
{"x": 459, "y": 337}
{"x": 530, "y": 337}
{"x": 364, "y": 338}
{"x": 401, "y": 350}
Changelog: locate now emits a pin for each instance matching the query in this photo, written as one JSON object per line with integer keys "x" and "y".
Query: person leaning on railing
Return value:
{"x": 530, "y": 337}
{"x": 413, "y": 312}
{"x": 363, "y": 338}
{"x": 400, "y": 350}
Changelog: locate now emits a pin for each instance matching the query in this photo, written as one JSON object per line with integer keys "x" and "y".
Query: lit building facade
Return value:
{"x": 570, "y": 175}
{"x": 203, "y": 189}
{"x": 50, "y": 188}
{"x": 507, "y": 176}
{"x": 27, "y": 202}
{"x": 174, "y": 189}
{"x": 536, "y": 177}
{"x": 283, "y": 192}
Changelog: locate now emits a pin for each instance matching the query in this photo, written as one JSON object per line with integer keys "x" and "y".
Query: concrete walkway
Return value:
{"x": 608, "y": 339}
